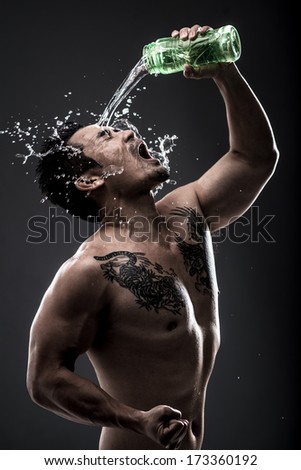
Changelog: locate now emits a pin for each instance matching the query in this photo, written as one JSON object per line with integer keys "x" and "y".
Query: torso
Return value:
{"x": 159, "y": 330}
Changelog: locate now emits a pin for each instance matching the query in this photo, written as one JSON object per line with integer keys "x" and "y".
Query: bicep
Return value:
{"x": 57, "y": 336}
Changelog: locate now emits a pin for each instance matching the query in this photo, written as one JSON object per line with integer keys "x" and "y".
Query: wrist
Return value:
{"x": 225, "y": 73}
{"x": 134, "y": 420}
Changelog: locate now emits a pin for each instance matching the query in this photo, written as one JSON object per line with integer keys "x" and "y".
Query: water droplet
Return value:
{"x": 112, "y": 170}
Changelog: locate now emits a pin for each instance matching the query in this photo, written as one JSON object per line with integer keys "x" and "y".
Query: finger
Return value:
{"x": 189, "y": 71}
{"x": 174, "y": 445}
{"x": 171, "y": 414}
{"x": 183, "y": 33}
{"x": 194, "y": 30}
{"x": 178, "y": 437}
{"x": 190, "y": 33}
{"x": 204, "y": 29}
{"x": 175, "y": 432}
{"x": 171, "y": 431}
{"x": 207, "y": 70}
{"x": 179, "y": 444}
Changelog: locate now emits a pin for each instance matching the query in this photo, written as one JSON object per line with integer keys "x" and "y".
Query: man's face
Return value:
{"x": 124, "y": 151}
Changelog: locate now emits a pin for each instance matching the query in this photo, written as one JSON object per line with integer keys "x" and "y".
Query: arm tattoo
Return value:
{"x": 194, "y": 254}
{"x": 153, "y": 287}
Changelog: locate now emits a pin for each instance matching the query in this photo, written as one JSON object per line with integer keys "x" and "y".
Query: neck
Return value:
{"x": 124, "y": 208}
{"x": 136, "y": 218}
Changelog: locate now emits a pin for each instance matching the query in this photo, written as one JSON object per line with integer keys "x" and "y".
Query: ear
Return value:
{"x": 88, "y": 182}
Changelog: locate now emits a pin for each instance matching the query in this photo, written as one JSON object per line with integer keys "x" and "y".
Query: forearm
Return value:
{"x": 80, "y": 400}
{"x": 250, "y": 132}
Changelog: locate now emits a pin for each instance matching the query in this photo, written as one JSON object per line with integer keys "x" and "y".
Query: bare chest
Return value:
{"x": 174, "y": 282}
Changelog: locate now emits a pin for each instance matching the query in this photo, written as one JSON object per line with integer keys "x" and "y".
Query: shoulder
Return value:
{"x": 79, "y": 267}
{"x": 82, "y": 266}
{"x": 77, "y": 282}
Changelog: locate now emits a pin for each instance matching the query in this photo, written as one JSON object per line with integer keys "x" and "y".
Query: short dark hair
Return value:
{"x": 59, "y": 166}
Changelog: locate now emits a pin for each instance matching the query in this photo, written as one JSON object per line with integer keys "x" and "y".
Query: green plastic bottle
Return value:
{"x": 168, "y": 55}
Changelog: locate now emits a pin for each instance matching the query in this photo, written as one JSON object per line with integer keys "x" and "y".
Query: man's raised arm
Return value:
{"x": 232, "y": 184}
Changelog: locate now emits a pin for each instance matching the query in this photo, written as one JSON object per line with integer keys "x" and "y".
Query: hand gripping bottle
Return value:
{"x": 168, "y": 55}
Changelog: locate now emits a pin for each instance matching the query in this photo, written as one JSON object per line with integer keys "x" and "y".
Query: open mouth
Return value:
{"x": 143, "y": 152}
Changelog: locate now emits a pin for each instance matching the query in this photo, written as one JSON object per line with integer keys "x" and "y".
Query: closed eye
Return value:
{"x": 104, "y": 132}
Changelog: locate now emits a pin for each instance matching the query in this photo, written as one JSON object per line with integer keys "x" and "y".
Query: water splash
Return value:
{"x": 31, "y": 132}
{"x": 123, "y": 124}
{"x": 112, "y": 170}
{"x": 166, "y": 145}
{"x": 136, "y": 74}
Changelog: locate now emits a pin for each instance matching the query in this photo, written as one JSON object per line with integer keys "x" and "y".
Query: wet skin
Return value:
{"x": 140, "y": 296}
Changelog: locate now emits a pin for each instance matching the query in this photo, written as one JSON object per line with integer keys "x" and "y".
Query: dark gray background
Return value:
{"x": 51, "y": 48}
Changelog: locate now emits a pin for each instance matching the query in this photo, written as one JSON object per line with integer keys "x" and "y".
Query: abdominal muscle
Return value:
{"x": 168, "y": 363}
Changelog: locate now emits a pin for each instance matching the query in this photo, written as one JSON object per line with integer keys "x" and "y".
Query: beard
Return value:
{"x": 163, "y": 174}
{"x": 160, "y": 175}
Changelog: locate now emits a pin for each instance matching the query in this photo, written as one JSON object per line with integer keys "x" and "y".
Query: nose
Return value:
{"x": 127, "y": 135}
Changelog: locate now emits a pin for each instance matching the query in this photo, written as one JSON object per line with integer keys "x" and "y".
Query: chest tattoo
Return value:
{"x": 153, "y": 287}
{"x": 194, "y": 254}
